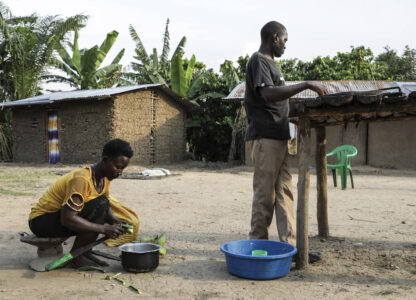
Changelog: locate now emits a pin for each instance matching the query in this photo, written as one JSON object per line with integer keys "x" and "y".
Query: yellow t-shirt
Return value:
{"x": 78, "y": 182}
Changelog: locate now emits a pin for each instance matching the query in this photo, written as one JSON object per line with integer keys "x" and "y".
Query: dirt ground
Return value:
{"x": 371, "y": 253}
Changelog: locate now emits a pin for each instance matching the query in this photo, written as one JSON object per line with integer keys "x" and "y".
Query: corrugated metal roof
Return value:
{"x": 334, "y": 87}
{"x": 89, "y": 94}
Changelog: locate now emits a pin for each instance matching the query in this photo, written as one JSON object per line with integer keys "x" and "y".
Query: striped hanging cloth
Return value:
{"x": 53, "y": 137}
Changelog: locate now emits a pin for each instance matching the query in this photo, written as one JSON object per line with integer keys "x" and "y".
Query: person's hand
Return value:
{"x": 119, "y": 222}
{"x": 112, "y": 231}
{"x": 317, "y": 87}
{"x": 112, "y": 220}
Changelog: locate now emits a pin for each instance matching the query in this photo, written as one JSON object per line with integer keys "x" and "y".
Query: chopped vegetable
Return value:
{"x": 108, "y": 277}
{"x": 161, "y": 239}
{"x": 139, "y": 291}
{"x": 148, "y": 238}
{"x": 128, "y": 227}
{"x": 162, "y": 251}
{"x": 124, "y": 282}
{"x": 120, "y": 280}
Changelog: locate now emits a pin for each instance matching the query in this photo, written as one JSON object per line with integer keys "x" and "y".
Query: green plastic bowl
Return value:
{"x": 259, "y": 253}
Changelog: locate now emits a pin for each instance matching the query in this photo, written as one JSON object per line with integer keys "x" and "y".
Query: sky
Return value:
{"x": 225, "y": 29}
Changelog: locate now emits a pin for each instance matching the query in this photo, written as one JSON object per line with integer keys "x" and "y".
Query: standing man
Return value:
{"x": 267, "y": 106}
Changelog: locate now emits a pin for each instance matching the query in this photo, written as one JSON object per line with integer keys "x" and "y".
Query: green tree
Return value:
{"x": 398, "y": 67}
{"x": 210, "y": 129}
{"x": 27, "y": 45}
{"x": 83, "y": 66}
{"x": 153, "y": 68}
{"x": 358, "y": 64}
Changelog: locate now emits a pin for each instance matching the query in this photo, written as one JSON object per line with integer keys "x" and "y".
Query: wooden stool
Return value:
{"x": 46, "y": 246}
{"x": 49, "y": 249}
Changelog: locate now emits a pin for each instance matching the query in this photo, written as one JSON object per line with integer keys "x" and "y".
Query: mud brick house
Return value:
{"x": 73, "y": 126}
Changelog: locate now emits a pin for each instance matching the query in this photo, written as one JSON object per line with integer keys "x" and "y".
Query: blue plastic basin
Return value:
{"x": 241, "y": 263}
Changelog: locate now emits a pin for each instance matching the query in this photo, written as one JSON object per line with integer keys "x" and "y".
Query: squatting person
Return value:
{"x": 79, "y": 204}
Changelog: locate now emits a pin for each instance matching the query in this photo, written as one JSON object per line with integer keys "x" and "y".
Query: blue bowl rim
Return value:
{"x": 268, "y": 257}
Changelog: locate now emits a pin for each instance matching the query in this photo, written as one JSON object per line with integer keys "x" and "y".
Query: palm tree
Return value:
{"x": 153, "y": 68}
{"x": 26, "y": 47}
{"x": 83, "y": 67}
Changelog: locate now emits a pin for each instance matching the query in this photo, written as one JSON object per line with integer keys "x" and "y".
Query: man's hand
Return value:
{"x": 112, "y": 231}
{"x": 317, "y": 87}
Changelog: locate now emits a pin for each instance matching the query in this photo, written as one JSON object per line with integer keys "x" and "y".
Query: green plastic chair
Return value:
{"x": 344, "y": 154}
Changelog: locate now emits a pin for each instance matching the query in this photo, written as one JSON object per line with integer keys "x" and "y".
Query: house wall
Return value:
{"x": 29, "y": 134}
{"x": 83, "y": 129}
{"x": 157, "y": 134}
{"x": 392, "y": 144}
{"x": 170, "y": 135}
{"x": 132, "y": 122}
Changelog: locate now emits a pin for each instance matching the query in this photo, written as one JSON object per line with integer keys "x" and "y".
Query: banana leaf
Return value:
{"x": 177, "y": 76}
{"x": 189, "y": 73}
{"x": 108, "y": 42}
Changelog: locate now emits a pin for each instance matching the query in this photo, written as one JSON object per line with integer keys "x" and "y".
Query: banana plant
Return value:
{"x": 82, "y": 68}
{"x": 152, "y": 68}
{"x": 181, "y": 78}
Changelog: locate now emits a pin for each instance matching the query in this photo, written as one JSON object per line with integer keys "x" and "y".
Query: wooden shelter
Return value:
{"x": 373, "y": 102}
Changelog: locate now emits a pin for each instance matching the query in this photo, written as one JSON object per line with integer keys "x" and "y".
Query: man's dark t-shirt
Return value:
{"x": 265, "y": 119}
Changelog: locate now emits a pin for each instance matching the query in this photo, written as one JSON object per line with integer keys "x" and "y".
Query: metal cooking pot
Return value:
{"x": 139, "y": 257}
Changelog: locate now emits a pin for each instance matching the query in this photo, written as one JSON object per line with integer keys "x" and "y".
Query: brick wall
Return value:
{"x": 84, "y": 127}
{"x": 132, "y": 119}
{"x": 29, "y": 135}
{"x": 170, "y": 138}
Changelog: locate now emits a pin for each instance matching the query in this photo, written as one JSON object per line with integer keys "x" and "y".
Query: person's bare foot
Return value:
{"x": 81, "y": 261}
{"x": 93, "y": 258}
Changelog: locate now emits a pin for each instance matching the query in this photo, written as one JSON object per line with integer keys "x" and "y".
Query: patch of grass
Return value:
{"x": 413, "y": 272}
{"x": 12, "y": 181}
{"x": 407, "y": 288}
{"x": 386, "y": 292}
{"x": 24, "y": 182}
{"x": 25, "y": 176}
{"x": 14, "y": 193}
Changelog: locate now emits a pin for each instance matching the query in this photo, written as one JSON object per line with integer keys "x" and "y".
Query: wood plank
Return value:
{"x": 321, "y": 182}
{"x": 315, "y": 124}
{"x": 352, "y": 109}
{"x": 302, "y": 242}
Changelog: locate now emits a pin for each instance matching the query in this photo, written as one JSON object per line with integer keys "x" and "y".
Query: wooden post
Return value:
{"x": 302, "y": 242}
{"x": 321, "y": 182}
